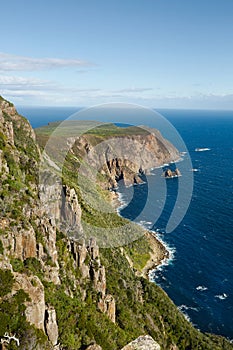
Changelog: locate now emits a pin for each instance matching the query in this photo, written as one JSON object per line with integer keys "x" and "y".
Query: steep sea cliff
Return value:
{"x": 65, "y": 292}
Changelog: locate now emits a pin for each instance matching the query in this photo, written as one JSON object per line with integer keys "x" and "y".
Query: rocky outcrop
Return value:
{"x": 60, "y": 203}
{"x": 144, "y": 342}
{"x": 7, "y": 109}
{"x": 87, "y": 260}
{"x": 4, "y": 169}
{"x": 51, "y": 327}
{"x": 35, "y": 307}
{"x": 34, "y": 223}
{"x": 125, "y": 157}
{"x": 71, "y": 210}
{"x": 168, "y": 173}
{"x": 20, "y": 243}
{"x": 107, "y": 305}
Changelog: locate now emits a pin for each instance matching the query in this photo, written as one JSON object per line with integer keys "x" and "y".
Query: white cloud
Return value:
{"x": 133, "y": 90}
{"x": 22, "y": 83}
{"x": 30, "y": 90}
{"x": 10, "y": 62}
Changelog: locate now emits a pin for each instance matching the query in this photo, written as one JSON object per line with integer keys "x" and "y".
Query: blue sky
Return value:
{"x": 158, "y": 53}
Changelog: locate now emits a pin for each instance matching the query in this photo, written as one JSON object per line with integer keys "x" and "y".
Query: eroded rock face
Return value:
{"x": 3, "y": 165}
{"x": 87, "y": 260}
{"x": 70, "y": 209}
{"x": 9, "y": 132}
{"x": 6, "y": 108}
{"x": 144, "y": 342}
{"x": 20, "y": 243}
{"x": 60, "y": 203}
{"x": 35, "y": 308}
{"x": 126, "y": 158}
{"x": 107, "y": 305}
{"x": 51, "y": 327}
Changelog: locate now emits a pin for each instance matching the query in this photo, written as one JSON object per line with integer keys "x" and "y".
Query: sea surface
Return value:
{"x": 199, "y": 275}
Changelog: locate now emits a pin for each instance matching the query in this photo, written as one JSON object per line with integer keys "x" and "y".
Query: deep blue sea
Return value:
{"x": 199, "y": 277}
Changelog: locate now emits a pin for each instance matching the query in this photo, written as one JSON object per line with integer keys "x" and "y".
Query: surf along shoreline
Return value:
{"x": 161, "y": 254}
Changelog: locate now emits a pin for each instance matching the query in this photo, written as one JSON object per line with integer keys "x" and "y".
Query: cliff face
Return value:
{"x": 28, "y": 230}
{"x": 126, "y": 157}
{"x": 63, "y": 293}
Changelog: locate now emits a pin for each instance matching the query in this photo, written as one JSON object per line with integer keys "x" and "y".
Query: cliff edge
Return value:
{"x": 63, "y": 293}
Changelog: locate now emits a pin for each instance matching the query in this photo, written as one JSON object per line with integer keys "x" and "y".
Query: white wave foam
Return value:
{"x": 122, "y": 201}
{"x": 195, "y": 170}
{"x": 201, "y": 288}
{"x": 202, "y": 149}
{"x": 158, "y": 235}
{"x": 166, "y": 261}
{"x": 144, "y": 223}
{"x": 184, "y": 308}
{"x": 221, "y": 296}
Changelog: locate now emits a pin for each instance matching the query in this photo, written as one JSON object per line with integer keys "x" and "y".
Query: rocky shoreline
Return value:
{"x": 158, "y": 253}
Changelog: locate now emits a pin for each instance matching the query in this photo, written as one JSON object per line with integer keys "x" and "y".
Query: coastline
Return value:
{"x": 159, "y": 253}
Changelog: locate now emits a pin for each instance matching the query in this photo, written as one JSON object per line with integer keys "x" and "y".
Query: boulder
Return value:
{"x": 144, "y": 342}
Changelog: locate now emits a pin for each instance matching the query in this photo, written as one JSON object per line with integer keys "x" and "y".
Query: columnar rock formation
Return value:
{"x": 51, "y": 327}
{"x": 87, "y": 260}
{"x": 43, "y": 268}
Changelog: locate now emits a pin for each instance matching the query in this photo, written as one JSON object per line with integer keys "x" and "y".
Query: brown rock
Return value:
{"x": 108, "y": 306}
{"x": 94, "y": 347}
{"x": 51, "y": 327}
{"x": 22, "y": 243}
{"x": 126, "y": 157}
{"x": 144, "y": 342}
{"x": 82, "y": 253}
{"x": 9, "y": 132}
{"x": 35, "y": 308}
{"x": 93, "y": 249}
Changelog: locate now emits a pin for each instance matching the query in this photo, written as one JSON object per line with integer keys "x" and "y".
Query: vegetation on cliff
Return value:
{"x": 64, "y": 293}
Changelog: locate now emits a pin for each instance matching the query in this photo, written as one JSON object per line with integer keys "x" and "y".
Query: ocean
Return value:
{"x": 199, "y": 275}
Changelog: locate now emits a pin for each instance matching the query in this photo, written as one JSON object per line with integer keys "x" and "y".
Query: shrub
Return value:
{"x": 6, "y": 282}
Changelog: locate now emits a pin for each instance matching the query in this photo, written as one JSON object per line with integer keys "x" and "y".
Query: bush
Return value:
{"x": 1, "y": 247}
{"x": 6, "y": 282}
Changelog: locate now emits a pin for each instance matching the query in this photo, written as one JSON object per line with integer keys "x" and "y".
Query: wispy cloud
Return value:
{"x": 10, "y": 62}
{"x": 31, "y": 90}
{"x": 133, "y": 90}
{"x": 22, "y": 83}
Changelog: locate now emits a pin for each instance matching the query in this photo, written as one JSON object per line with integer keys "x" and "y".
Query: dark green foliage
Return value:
{"x": 17, "y": 265}
{"x": 1, "y": 247}
{"x": 12, "y": 313}
{"x": 141, "y": 307}
{"x": 139, "y": 252}
{"x": 13, "y": 321}
{"x": 6, "y": 282}
{"x": 157, "y": 315}
{"x": 29, "y": 266}
{"x": 67, "y": 310}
